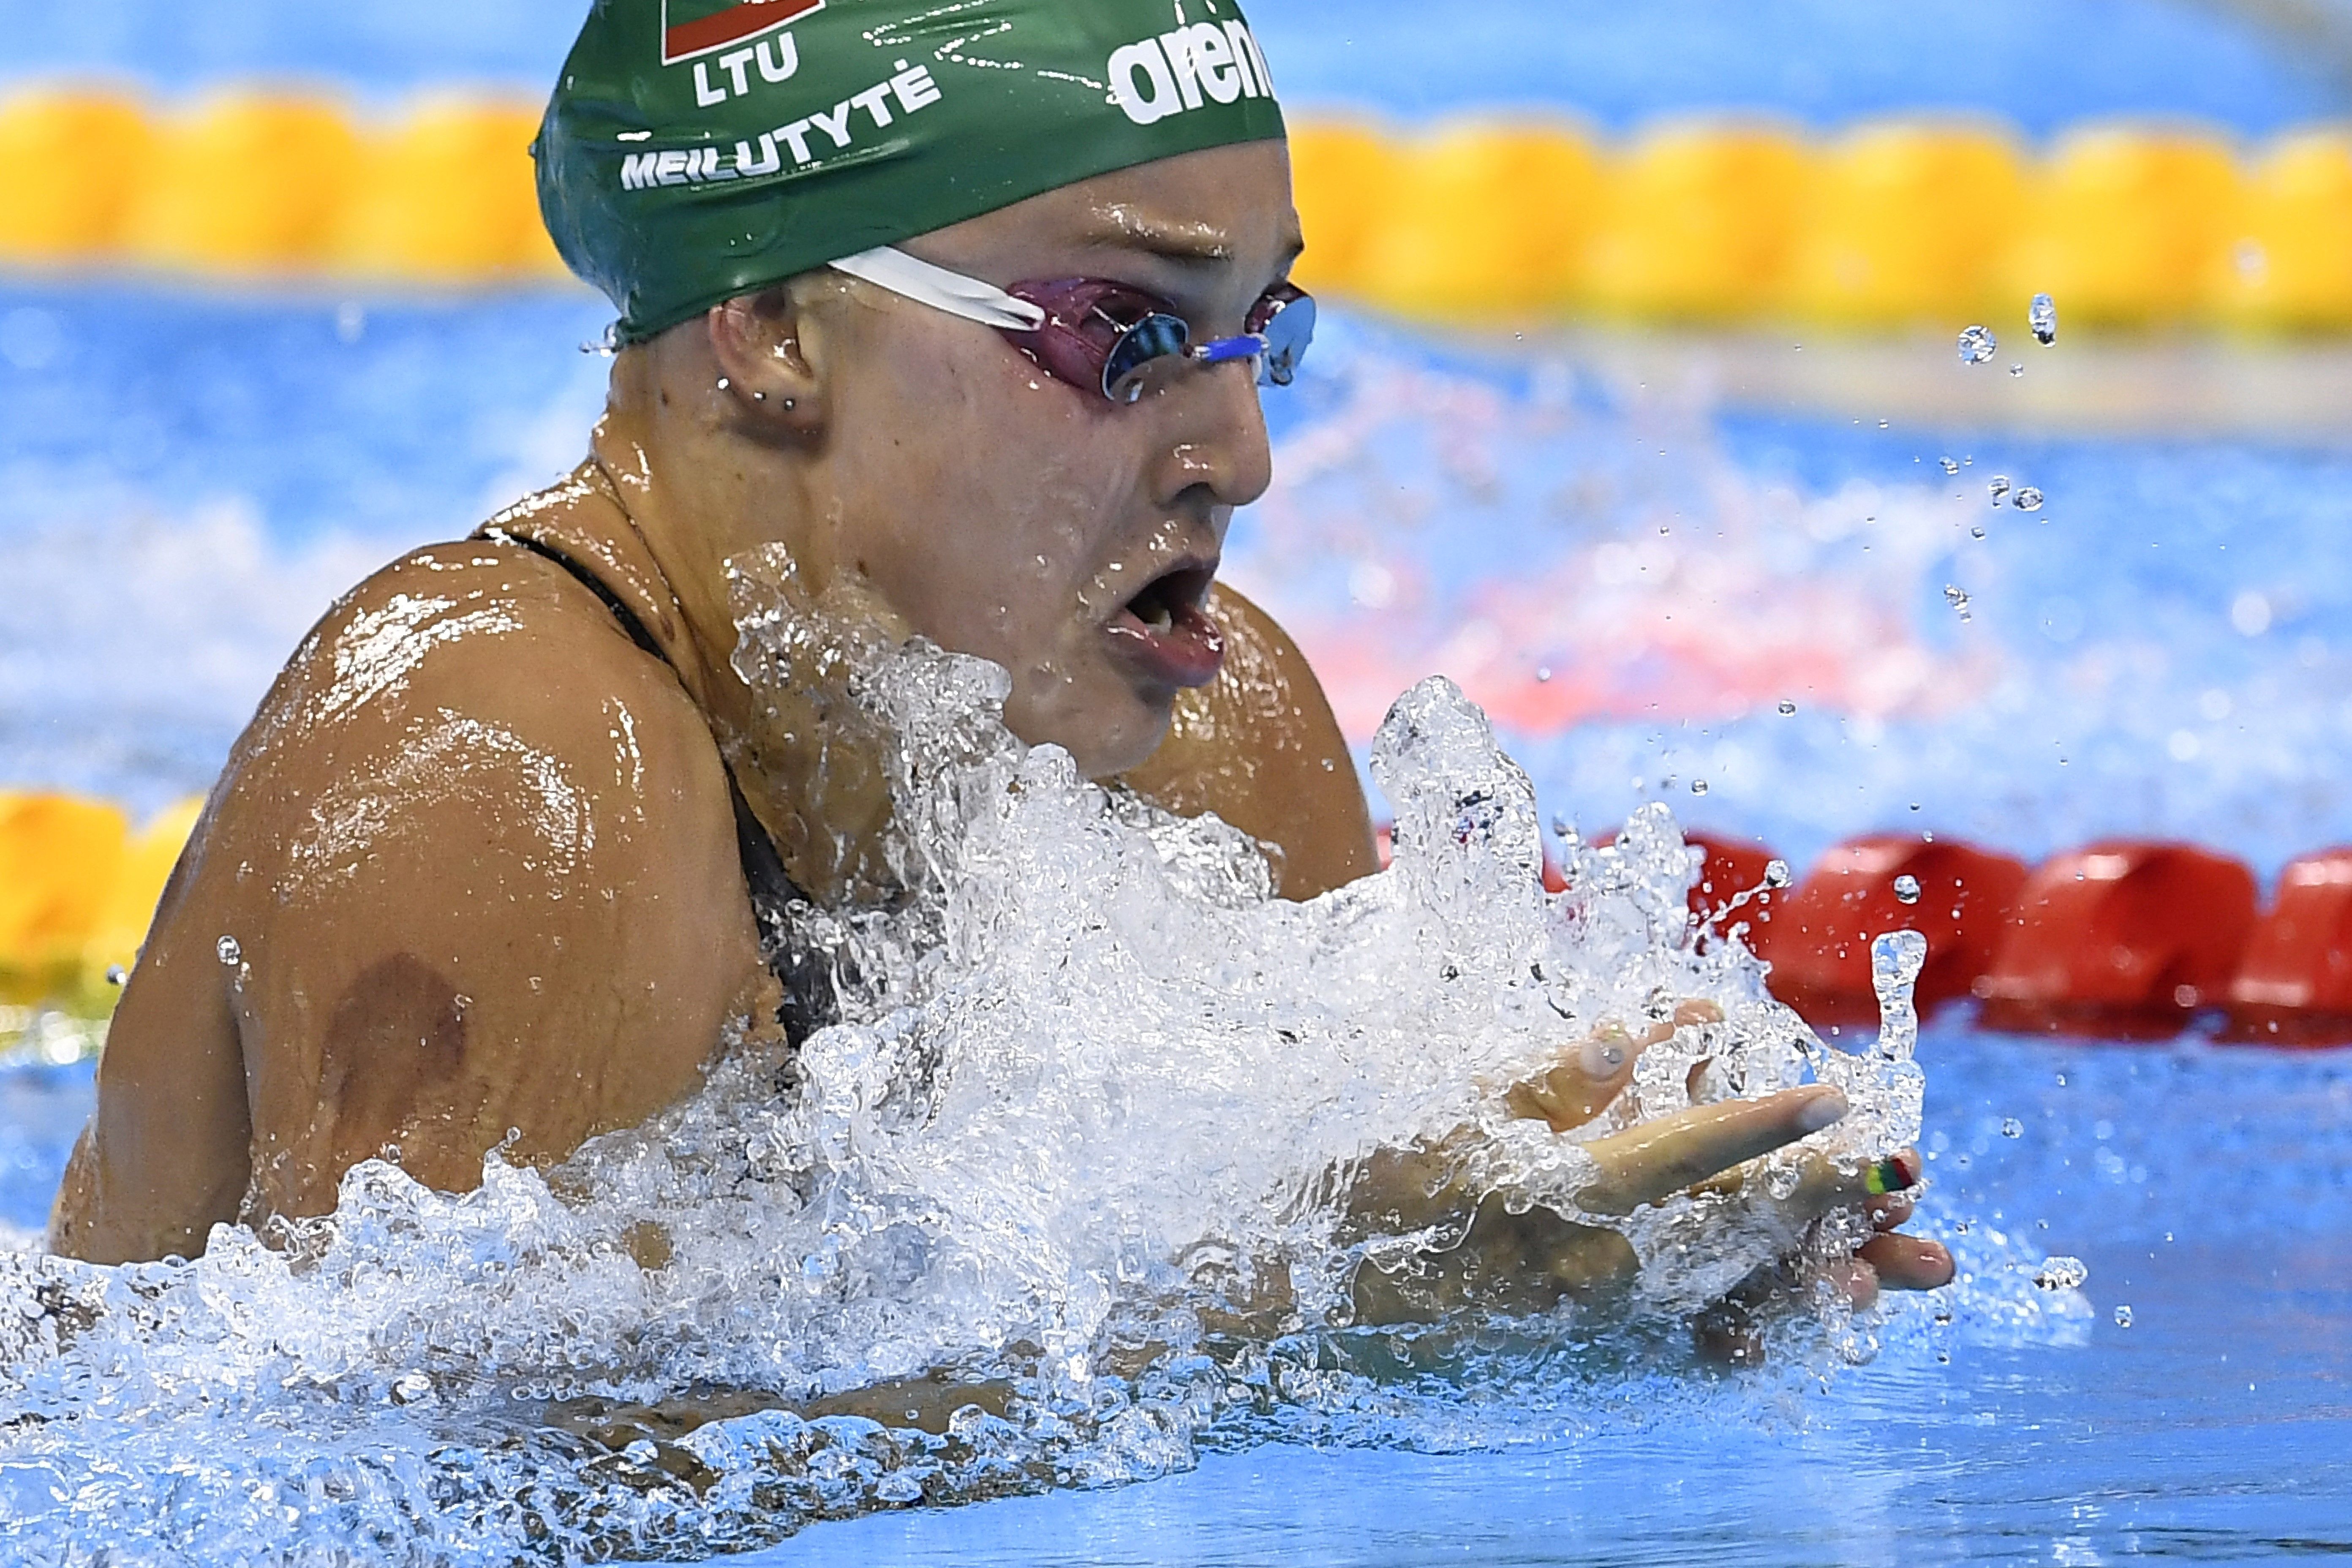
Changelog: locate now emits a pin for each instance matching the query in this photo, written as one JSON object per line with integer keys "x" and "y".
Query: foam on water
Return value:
{"x": 1086, "y": 1134}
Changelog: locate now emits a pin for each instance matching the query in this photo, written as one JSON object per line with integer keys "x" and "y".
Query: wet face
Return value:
{"x": 1007, "y": 513}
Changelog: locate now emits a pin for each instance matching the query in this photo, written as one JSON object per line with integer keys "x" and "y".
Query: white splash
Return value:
{"x": 1087, "y": 1131}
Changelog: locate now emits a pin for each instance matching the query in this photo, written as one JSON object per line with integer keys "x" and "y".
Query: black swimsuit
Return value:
{"x": 809, "y": 1002}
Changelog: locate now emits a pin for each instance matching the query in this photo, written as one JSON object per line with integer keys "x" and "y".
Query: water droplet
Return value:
{"x": 1698, "y": 786}
{"x": 2122, "y": 1316}
{"x": 1957, "y": 597}
{"x": 116, "y": 975}
{"x": 1896, "y": 960}
{"x": 2061, "y": 1274}
{"x": 2017, "y": 370}
{"x": 1787, "y": 709}
{"x": 1906, "y": 889}
{"x": 2010, "y": 1127}
{"x": 412, "y": 1388}
{"x": 2027, "y": 500}
{"x": 1977, "y": 531}
{"x": 1949, "y": 466}
{"x": 1977, "y": 344}
{"x": 1777, "y": 874}
{"x": 608, "y": 344}
{"x": 1562, "y": 827}
{"x": 230, "y": 953}
{"x": 2042, "y": 317}
{"x": 1998, "y": 488}
{"x": 1543, "y": 674}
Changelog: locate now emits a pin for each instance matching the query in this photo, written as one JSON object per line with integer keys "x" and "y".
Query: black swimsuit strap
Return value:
{"x": 809, "y": 1000}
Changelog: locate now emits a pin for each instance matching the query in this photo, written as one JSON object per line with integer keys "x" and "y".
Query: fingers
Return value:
{"x": 1907, "y": 1263}
{"x": 1583, "y": 1083}
{"x": 1880, "y": 1185}
{"x": 1645, "y": 1163}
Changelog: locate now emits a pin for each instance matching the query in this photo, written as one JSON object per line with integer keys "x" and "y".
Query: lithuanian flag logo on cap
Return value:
{"x": 691, "y": 27}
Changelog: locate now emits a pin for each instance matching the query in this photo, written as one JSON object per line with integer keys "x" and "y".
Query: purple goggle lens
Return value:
{"x": 1102, "y": 335}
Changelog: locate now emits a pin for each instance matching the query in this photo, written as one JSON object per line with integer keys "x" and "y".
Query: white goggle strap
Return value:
{"x": 913, "y": 279}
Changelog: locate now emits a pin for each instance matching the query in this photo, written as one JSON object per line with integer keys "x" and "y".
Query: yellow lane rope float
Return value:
{"x": 1476, "y": 220}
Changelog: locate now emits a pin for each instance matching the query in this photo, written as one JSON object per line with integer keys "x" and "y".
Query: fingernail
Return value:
{"x": 1604, "y": 1055}
{"x": 1895, "y": 1173}
{"x": 1820, "y": 1112}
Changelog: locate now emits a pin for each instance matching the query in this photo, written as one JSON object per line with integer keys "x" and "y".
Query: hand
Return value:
{"x": 1527, "y": 1262}
{"x": 1730, "y": 1333}
{"x": 1581, "y": 1084}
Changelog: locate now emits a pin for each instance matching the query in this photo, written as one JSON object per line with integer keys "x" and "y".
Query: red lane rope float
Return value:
{"x": 1818, "y": 940}
{"x": 2122, "y": 940}
{"x": 2294, "y": 987}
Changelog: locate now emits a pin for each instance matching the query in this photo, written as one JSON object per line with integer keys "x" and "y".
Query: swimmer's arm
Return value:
{"x": 1259, "y": 747}
{"x": 504, "y": 899}
{"x": 499, "y": 891}
{"x": 162, "y": 1159}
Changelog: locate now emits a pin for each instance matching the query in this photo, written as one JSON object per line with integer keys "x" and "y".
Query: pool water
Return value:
{"x": 2207, "y": 1190}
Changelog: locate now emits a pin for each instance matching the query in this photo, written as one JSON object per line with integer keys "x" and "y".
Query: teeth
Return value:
{"x": 1158, "y": 616}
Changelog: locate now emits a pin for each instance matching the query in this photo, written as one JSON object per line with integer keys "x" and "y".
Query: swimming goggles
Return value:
{"x": 1092, "y": 332}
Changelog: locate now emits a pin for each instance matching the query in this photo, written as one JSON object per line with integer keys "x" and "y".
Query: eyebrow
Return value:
{"x": 1187, "y": 244}
{"x": 1177, "y": 241}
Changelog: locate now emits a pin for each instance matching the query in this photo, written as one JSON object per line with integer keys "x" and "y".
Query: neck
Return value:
{"x": 672, "y": 495}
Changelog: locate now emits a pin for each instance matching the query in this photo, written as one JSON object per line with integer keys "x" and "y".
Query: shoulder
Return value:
{"x": 478, "y": 855}
{"x": 1260, "y": 747}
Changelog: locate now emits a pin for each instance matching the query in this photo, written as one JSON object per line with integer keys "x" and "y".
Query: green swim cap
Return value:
{"x": 694, "y": 150}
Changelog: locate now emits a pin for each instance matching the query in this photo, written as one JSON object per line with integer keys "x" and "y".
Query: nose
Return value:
{"x": 1216, "y": 437}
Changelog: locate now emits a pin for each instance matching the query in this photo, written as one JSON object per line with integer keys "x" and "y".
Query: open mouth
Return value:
{"x": 1168, "y": 598}
{"x": 1166, "y": 633}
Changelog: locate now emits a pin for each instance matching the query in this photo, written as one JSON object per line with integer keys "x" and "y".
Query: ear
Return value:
{"x": 756, "y": 338}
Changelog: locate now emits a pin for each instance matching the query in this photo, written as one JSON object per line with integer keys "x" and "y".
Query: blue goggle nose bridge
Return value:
{"x": 1277, "y": 344}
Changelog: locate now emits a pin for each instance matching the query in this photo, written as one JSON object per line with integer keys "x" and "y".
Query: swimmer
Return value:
{"x": 965, "y": 310}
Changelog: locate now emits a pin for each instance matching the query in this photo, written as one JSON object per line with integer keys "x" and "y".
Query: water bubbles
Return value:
{"x": 2010, "y": 1127}
{"x": 2027, "y": 499}
{"x": 1777, "y": 874}
{"x": 2062, "y": 1273}
{"x": 412, "y": 1388}
{"x": 2017, "y": 370}
{"x": 230, "y": 953}
{"x": 1977, "y": 531}
{"x": 1787, "y": 709}
{"x": 1906, "y": 889}
{"x": 1977, "y": 344}
{"x": 1998, "y": 488}
{"x": 1949, "y": 466}
{"x": 117, "y": 975}
{"x": 1957, "y": 597}
{"x": 1698, "y": 786}
{"x": 2042, "y": 317}
{"x": 2123, "y": 1315}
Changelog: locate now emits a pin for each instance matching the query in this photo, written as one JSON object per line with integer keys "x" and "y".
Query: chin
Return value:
{"x": 1105, "y": 737}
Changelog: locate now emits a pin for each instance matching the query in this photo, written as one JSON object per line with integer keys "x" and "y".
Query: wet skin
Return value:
{"x": 475, "y": 860}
